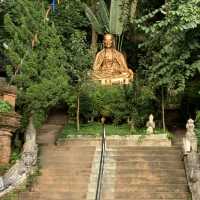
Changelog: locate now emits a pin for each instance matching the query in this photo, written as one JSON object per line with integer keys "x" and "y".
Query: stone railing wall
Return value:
{"x": 17, "y": 174}
{"x": 192, "y": 160}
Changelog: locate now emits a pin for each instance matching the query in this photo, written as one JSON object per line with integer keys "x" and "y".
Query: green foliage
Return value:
{"x": 70, "y": 23}
{"x": 99, "y": 28}
{"x": 79, "y": 56}
{"x": 15, "y": 155}
{"x": 39, "y": 71}
{"x": 107, "y": 101}
{"x": 103, "y": 21}
{"x": 3, "y": 169}
{"x": 120, "y": 103}
{"x": 68, "y": 18}
{"x": 197, "y": 126}
{"x": 117, "y": 20}
{"x": 93, "y": 129}
{"x": 5, "y": 106}
{"x": 139, "y": 98}
{"x": 172, "y": 44}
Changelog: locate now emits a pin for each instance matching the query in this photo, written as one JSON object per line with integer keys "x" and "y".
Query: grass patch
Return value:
{"x": 95, "y": 129}
{"x": 14, "y": 195}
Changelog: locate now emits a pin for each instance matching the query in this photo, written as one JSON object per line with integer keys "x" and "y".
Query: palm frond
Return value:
{"x": 103, "y": 14}
{"x": 93, "y": 20}
{"x": 116, "y": 20}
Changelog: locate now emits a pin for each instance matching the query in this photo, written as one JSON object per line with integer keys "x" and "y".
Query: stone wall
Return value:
{"x": 23, "y": 167}
{"x": 9, "y": 122}
{"x": 5, "y": 143}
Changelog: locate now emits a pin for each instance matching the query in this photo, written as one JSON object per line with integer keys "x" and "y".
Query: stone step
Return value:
{"x": 68, "y": 159}
{"x": 53, "y": 196}
{"x": 146, "y": 187}
{"x": 146, "y": 195}
{"x": 148, "y": 165}
{"x": 61, "y": 188}
{"x": 144, "y": 180}
{"x": 143, "y": 175}
{"x": 146, "y": 158}
{"x": 67, "y": 166}
{"x": 118, "y": 172}
{"x": 65, "y": 171}
{"x": 80, "y": 142}
{"x": 64, "y": 152}
{"x": 144, "y": 153}
{"x": 64, "y": 180}
{"x": 147, "y": 149}
{"x": 128, "y": 171}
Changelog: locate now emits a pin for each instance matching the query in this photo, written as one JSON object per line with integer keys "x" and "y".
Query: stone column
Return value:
{"x": 5, "y": 146}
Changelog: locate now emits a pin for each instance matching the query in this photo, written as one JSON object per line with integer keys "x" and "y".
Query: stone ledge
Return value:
{"x": 10, "y": 121}
{"x": 130, "y": 140}
{"x": 6, "y": 88}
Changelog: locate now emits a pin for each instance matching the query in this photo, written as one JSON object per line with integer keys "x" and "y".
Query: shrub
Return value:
{"x": 197, "y": 125}
{"x": 5, "y": 106}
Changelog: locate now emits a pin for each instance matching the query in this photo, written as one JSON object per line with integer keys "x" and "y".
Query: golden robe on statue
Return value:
{"x": 110, "y": 65}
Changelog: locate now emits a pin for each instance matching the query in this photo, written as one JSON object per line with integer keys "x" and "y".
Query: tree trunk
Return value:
{"x": 94, "y": 41}
{"x": 94, "y": 34}
{"x": 78, "y": 114}
{"x": 163, "y": 110}
{"x": 133, "y": 10}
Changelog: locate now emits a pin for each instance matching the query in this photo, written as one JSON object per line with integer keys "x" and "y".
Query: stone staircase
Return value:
{"x": 65, "y": 174}
{"x": 65, "y": 169}
{"x": 144, "y": 173}
{"x": 69, "y": 170}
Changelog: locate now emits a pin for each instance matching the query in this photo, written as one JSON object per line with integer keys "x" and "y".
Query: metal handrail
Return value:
{"x": 101, "y": 166}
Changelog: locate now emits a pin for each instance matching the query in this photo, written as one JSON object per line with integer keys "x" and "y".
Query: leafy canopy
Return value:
{"x": 172, "y": 44}
{"x": 37, "y": 63}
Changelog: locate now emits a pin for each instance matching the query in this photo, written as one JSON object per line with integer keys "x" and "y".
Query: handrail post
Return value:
{"x": 104, "y": 132}
{"x": 102, "y": 161}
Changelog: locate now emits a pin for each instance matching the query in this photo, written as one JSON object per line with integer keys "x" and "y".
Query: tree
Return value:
{"x": 37, "y": 61}
{"x": 79, "y": 57}
{"x": 71, "y": 24}
{"x": 172, "y": 46}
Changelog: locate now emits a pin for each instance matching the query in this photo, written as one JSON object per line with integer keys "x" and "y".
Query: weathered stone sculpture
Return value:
{"x": 110, "y": 66}
{"x": 18, "y": 173}
{"x": 150, "y": 125}
{"x": 190, "y": 140}
{"x": 192, "y": 160}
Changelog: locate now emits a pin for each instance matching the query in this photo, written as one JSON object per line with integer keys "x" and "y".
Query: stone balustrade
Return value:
{"x": 192, "y": 160}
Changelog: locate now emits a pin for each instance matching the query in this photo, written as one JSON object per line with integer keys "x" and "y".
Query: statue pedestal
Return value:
{"x": 5, "y": 147}
{"x": 9, "y": 122}
{"x": 114, "y": 81}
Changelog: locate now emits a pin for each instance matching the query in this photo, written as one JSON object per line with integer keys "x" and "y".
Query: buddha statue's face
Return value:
{"x": 108, "y": 41}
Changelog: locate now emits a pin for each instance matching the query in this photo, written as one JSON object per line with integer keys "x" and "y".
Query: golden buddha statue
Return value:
{"x": 110, "y": 66}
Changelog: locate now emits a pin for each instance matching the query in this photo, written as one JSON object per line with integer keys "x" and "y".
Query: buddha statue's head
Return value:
{"x": 108, "y": 40}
